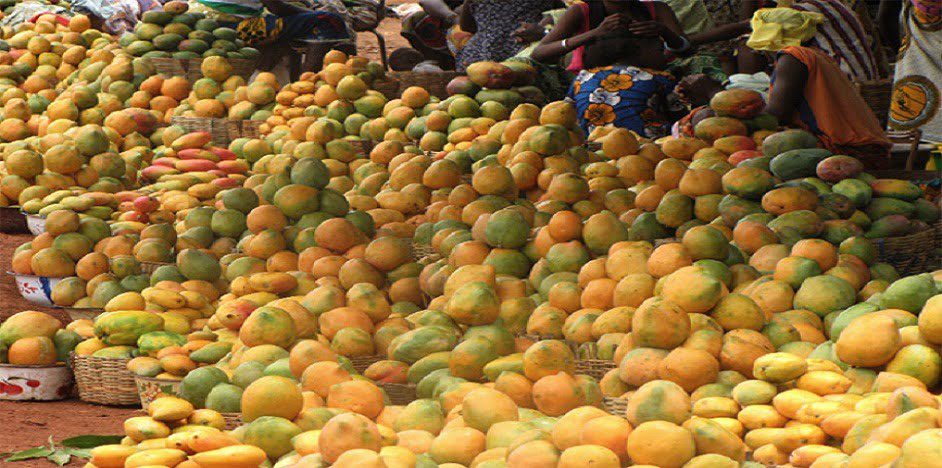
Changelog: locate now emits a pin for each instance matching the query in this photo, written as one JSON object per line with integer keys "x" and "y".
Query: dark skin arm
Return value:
{"x": 466, "y": 19}
{"x": 721, "y": 33}
{"x": 791, "y": 77}
{"x": 550, "y": 48}
{"x": 666, "y": 25}
{"x": 439, "y": 9}
{"x": 887, "y": 22}
{"x": 749, "y": 7}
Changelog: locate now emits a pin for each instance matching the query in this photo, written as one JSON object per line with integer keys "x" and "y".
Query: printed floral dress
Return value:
{"x": 623, "y": 96}
{"x": 496, "y": 21}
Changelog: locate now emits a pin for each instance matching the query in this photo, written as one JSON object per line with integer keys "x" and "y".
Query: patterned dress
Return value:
{"x": 496, "y": 21}
{"x": 915, "y": 102}
{"x": 623, "y": 96}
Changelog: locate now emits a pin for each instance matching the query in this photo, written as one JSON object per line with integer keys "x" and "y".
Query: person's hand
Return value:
{"x": 697, "y": 89}
{"x": 646, "y": 28}
{"x": 611, "y": 24}
{"x": 527, "y": 33}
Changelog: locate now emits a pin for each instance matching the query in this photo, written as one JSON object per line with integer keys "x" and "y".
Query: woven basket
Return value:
{"x": 666, "y": 240}
{"x": 233, "y": 420}
{"x": 399, "y": 394}
{"x": 433, "y": 82}
{"x": 12, "y": 221}
{"x": 595, "y": 368}
{"x": 615, "y": 406}
{"x": 248, "y": 128}
{"x": 877, "y": 94}
{"x": 217, "y": 128}
{"x": 190, "y": 68}
{"x": 912, "y": 254}
{"x": 89, "y": 313}
{"x": 387, "y": 86}
{"x": 420, "y": 251}
{"x": 149, "y": 388}
{"x": 169, "y": 66}
{"x": 151, "y": 267}
{"x": 362, "y": 147}
{"x": 104, "y": 381}
{"x": 360, "y": 363}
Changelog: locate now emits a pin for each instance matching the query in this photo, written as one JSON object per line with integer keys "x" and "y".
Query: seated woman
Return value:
{"x": 624, "y": 86}
{"x": 809, "y": 90}
{"x": 274, "y": 24}
{"x": 434, "y": 32}
{"x": 492, "y": 24}
{"x": 588, "y": 22}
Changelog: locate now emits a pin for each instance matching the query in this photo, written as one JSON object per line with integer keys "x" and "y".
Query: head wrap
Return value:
{"x": 774, "y": 29}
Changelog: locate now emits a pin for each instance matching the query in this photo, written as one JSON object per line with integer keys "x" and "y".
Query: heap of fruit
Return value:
{"x": 174, "y": 32}
{"x": 782, "y": 180}
{"x": 220, "y": 94}
{"x": 33, "y": 338}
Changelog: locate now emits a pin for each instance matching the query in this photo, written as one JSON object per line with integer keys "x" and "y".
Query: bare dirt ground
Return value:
{"x": 27, "y": 425}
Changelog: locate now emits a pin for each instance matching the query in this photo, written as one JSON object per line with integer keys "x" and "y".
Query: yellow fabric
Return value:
{"x": 774, "y": 29}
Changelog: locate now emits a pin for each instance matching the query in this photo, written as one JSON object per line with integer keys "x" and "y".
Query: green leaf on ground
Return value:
{"x": 91, "y": 441}
{"x": 60, "y": 457}
{"x": 29, "y": 454}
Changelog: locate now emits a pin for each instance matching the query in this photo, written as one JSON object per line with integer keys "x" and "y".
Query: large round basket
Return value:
{"x": 362, "y": 147}
{"x": 233, "y": 420}
{"x": 360, "y": 363}
{"x": 435, "y": 83}
{"x": 35, "y": 223}
{"x": 666, "y": 240}
{"x": 35, "y": 383}
{"x": 149, "y": 388}
{"x": 420, "y": 251}
{"x": 12, "y": 220}
{"x": 244, "y": 128}
{"x": 615, "y": 406}
{"x": 105, "y": 381}
{"x": 387, "y": 86}
{"x": 190, "y": 68}
{"x": 595, "y": 368}
{"x": 77, "y": 313}
{"x": 35, "y": 289}
{"x": 151, "y": 267}
{"x": 399, "y": 394}
{"x": 217, "y": 128}
{"x": 912, "y": 254}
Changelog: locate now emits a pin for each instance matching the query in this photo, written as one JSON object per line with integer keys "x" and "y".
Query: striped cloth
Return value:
{"x": 842, "y": 37}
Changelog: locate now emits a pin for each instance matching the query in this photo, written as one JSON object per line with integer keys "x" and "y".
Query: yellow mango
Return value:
{"x": 233, "y": 456}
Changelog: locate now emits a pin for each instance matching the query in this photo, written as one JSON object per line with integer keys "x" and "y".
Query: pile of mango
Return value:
{"x": 782, "y": 180}
{"x": 32, "y": 338}
{"x": 175, "y": 32}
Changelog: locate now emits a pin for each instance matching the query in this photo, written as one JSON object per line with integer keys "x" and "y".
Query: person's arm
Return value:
{"x": 749, "y": 7}
{"x": 666, "y": 25}
{"x": 888, "y": 22}
{"x": 721, "y": 33}
{"x": 550, "y": 48}
{"x": 791, "y": 77}
{"x": 283, "y": 8}
{"x": 440, "y": 10}
{"x": 466, "y": 19}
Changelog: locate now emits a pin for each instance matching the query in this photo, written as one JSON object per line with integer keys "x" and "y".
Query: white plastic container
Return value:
{"x": 36, "y": 289}
{"x": 35, "y": 383}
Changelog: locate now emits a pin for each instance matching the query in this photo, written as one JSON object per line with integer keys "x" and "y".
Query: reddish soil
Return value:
{"x": 27, "y": 425}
